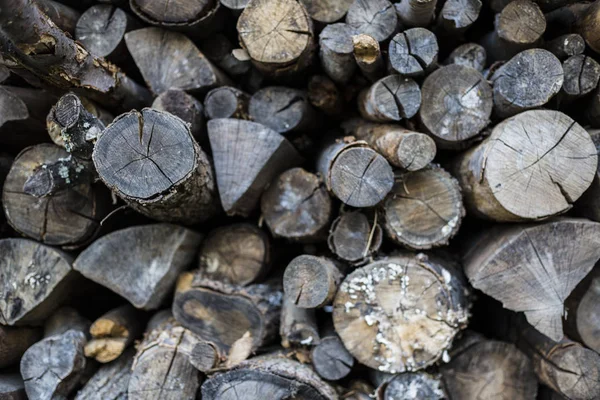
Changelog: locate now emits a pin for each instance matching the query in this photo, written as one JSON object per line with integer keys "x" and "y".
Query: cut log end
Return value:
{"x": 310, "y": 281}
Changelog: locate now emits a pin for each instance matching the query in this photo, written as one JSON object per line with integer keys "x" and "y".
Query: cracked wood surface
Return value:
{"x": 376, "y": 18}
{"x": 391, "y": 98}
{"x": 111, "y": 381}
{"x": 413, "y": 52}
{"x": 336, "y": 51}
{"x": 414, "y": 13}
{"x": 355, "y": 236}
{"x": 310, "y": 281}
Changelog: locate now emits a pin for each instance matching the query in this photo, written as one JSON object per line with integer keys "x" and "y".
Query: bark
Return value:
{"x": 298, "y": 326}
{"x": 14, "y": 341}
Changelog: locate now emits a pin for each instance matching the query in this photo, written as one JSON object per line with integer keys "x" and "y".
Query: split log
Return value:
{"x": 355, "y": 236}
{"x": 111, "y": 381}
{"x": 376, "y": 18}
{"x": 23, "y": 116}
{"x": 457, "y": 105}
{"x": 167, "y": 177}
{"x": 327, "y": 11}
{"x": 456, "y": 16}
{"x": 583, "y": 316}
{"x": 12, "y": 387}
{"x": 298, "y": 326}
{"x": 330, "y": 359}
{"x": 402, "y": 148}
{"x": 412, "y": 386}
{"x": 278, "y": 36}
{"x": 169, "y": 60}
{"x": 565, "y": 366}
{"x": 223, "y": 314}
{"x": 282, "y": 109}
{"x": 186, "y": 107}
{"x": 390, "y": 99}
{"x": 53, "y": 367}
{"x": 408, "y": 328}
{"x": 113, "y": 332}
{"x": 36, "y": 280}
{"x": 413, "y": 52}
{"x": 219, "y": 49}
{"x": 140, "y": 263}
{"x": 61, "y": 14}
{"x": 470, "y": 55}
{"x": 226, "y": 102}
{"x": 415, "y": 13}
{"x": 14, "y": 341}
{"x": 355, "y": 173}
{"x": 367, "y": 54}
{"x": 296, "y": 206}
{"x": 195, "y": 18}
{"x": 311, "y": 282}
{"x": 32, "y": 41}
{"x": 65, "y": 319}
{"x": 581, "y": 75}
{"x": 528, "y": 80}
{"x": 161, "y": 368}
{"x": 336, "y": 50}
{"x": 424, "y": 209}
{"x": 268, "y": 374}
{"x": 238, "y": 254}
{"x": 247, "y": 156}
{"x": 536, "y": 154}
{"x": 324, "y": 95}
{"x": 489, "y": 369}
{"x": 534, "y": 268}
{"x": 565, "y": 46}
{"x": 519, "y": 26}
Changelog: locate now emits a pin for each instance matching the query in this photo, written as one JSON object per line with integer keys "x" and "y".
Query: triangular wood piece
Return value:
{"x": 247, "y": 156}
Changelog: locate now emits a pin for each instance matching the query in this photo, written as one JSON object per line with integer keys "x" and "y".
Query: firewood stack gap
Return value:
{"x": 299, "y": 199}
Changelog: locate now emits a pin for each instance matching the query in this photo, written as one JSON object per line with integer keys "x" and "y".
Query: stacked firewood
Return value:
{"x": 299, "y": 199}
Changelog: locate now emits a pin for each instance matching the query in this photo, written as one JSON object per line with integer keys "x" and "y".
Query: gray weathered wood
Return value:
{"x": 186, "y": 107}
{"x": 330, "y": 359}
{"x": 219, "y": 49}
{"x": 470, "y": 55}
{"x": 111, "y": 381}
{"x": 581, "y": 75}
{"x": 336, "y": 51}
{"x": 13, "y": 343}
{"x": 368, "y": 57}
{"x": 456, "y": 16}
{"x": 297, "y": 326}
{"x": 565, "y": 46}
{"x": 310, "y": 281}
{"x": 65, "y": 319}
{"x": 415, "y": 13}
{"x": 324, "y": 95}
{"x": 392, "y": 98}
{"x": 226, "y": 102}
{"x": 12, "y": 387}
{"x": 355, "y": 236}
{"x": 376, "y": 18}
{"x": 413, "y": 52}
{"x": 327, "y": 11}
{"x": 412, "y": 386}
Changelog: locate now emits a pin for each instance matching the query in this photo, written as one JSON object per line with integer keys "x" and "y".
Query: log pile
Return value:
{"x": 299, "y": 199}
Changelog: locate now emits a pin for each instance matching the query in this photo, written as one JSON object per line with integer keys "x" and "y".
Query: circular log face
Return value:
{"x": 275, "y": 31}
{"x": 376, "y": 18}
{"x": 174, "y": 11}
{"x": 539, "y": 154}
{"x": 399, "y": 314}
{"x": 101, "y": 29}
{"x": 521, "y": 21}
{"x": 142, "y": 155}
{"x": 327, "y": 11}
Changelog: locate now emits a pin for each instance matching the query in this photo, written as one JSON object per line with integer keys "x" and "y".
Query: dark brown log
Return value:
{"x": 536, "y": 154}
{"x": 519, "y": 26}
{"x": 13, "y": 343}
{"x": 336, "y": 52}
{"x": 278, "y": 36}
{"x": 529, "y": 80}
{"x": 197, "y": 19}
{"x": 456, "y": 16}
{"x": 238, "y": 254}
{"x": 36, "y": 280}
{"x": 50, "y": 54}
{"x": 390, "y": 99}
{"x": 534, "y": 268}
{"x": 470, "y": 55}
{"x": 565, "y": 46}
{"x": 457, "y": 104}
{"x": 586, "y": 23}
{"x": 186, "y": 107}
{"x": 12, "y": 387}
{"x": 330, "y": 359}
{"x": 140, "y": 263}
{"x": 161, "y": 368}
{"x": 413, "y": 52}
{"x": 311, "y": 282}
{"x": 358, "y": 390}
{"x": 376, "y": 18}
{"x": 151, "y": 160}
{"x": 247, "y": 156}
{"x": 298, "y": 326}
{"x": 113, "y": 332}
{"x": 424, "y": 209}
{"x": 367, "y": 54}
{"x": 324, "y": 95}
{"x": 414, "y": 13}
{"x": 268, "y": 374}
{"x": 355, "y": 173}
{"x": 408, "y": 328}
{"x": 226, "y": 102}
{"x": 327, "y": 11}
{"x": 581, "y": 75}
{"x": 111, "y": 381}
{"x": 582, "y": 316}
{"x": 62, "y": 15}
{"x": 219, "y": 49}
{"x": 489, "y": 369}
{"x": 65, "y": 319}
{"x": 565, "y": 366}
{"x": 355, "y": 236}
{"x": 412, "y": 386}
{"x": 169, "y": 60}
{"x": 52, "y": 368}
{"x": 297, "y": 206}
{"x": 224, "y": 314}
{"x": 402, "y": 148}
